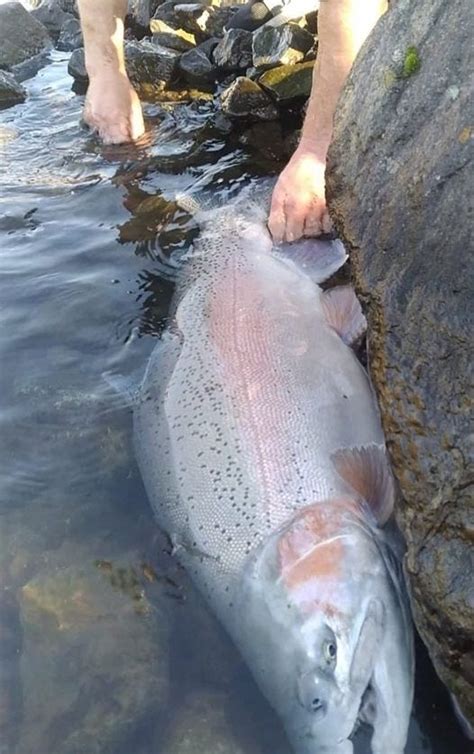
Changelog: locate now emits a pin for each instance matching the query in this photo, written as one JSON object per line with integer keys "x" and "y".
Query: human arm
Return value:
{"x": 298, "y": 203}
{"x": 112, "y": 106}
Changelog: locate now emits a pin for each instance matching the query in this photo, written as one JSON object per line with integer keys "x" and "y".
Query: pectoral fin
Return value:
{"x": 344, "y": 314}
{"x": 368, "y": 645}
{"x": 367, "y": 471}
{"x": 319, "y": 258}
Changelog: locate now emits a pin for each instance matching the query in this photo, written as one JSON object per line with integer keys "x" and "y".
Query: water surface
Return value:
{"x": 104, "y": 646}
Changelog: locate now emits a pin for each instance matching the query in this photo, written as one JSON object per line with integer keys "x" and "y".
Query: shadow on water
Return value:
{"x": 105, "y": 648}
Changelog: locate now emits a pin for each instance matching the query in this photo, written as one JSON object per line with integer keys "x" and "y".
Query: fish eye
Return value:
{"x": 330, "y": 651}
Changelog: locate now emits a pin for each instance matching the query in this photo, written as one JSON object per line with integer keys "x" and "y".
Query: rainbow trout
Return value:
{"x": 259, "y": 440}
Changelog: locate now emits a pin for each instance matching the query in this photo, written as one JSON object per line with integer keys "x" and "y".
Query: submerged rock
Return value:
{"x": 245, "y": 99}
{"x": 95, "y": 658}
{"x": 399, "y": 186}
{"x": 21, "y": 35}
{"x": 282, "y": 45}
{"x": 202, "y": 726}
{"x": 288, "y": 83}
{"x": 234, "y": 51}
{"x": 70, "y": 37}
{"x": 11, "y": 92}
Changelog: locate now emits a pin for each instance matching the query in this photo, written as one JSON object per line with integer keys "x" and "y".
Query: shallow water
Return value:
{"x": 104, "y": 645}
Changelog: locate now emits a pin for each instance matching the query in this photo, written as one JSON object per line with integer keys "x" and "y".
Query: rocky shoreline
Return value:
{"x": 176, "y": 51}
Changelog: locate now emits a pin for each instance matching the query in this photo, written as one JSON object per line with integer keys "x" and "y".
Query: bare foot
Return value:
{"x": 112, "y": 108}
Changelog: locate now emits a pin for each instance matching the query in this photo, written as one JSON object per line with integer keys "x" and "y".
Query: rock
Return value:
{"x": 52, "y": 15}
{"x": 244, "y": 98}
{"x": 150, "y": 64}
{"x": 288, "y": 83}
{"x": 399, "y": 186}
{"x": 70, "y": 37}
{"x": 176, "y": 39}
{"x": 283, "y": 45}
{"x": 139, "y": 12}
{"x": 11, "y": 92}
{"x": 202, "y": 725}
{"x": 266, "y": 140}
{"x": 234, "y": 51}
{"x": 21, "y": 35}
{"x": 77, "y": 66}
{"x": 214, "y": 20}
{"x": 196, "y": 66}
{"x": 95, "y": 655}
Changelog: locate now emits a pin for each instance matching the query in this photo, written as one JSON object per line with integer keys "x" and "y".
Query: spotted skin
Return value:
{"x": 244, "y": 402}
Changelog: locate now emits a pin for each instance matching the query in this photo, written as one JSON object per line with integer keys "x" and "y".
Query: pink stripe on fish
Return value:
{"x": 242, "y": 328}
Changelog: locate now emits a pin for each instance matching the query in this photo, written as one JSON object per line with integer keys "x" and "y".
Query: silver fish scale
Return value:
{"x": 229, "y": 436}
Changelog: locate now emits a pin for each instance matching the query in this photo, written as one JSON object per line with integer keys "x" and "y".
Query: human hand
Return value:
{"x": 298, "y": 203}
{"x": 112, "y": 108}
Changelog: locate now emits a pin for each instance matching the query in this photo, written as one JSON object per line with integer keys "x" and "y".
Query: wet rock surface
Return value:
{"x": 283, "y": 45}
{"x": 399, "y": 186}
{"x": 21, "y": 35}
{"x": 244, "y": 98}
{"x": 204, "y": 726}
{"x": 11, "y": 92}
{"x": 149, "y": 63}
{"x": 288, "y": 83}
{"x": 95, "y": 657}
{"x": 234, "y": 51}
{"x": 196, "y": 65}
{"x": 77, "y": 66}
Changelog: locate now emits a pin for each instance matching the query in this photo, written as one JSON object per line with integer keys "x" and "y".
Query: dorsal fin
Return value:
{"x": 344, "y": 313}
{"x": 367, "y": 471}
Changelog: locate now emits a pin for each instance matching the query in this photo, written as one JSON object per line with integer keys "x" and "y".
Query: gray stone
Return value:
{"x": 70, "y": 37}
{"x": 234, "y": 51}
{"x": 11, "y": 92}
{"x": 139, "y": 12}
{"x": 21, "y": 36}
{"x": 399, "y": 186}
{"x": 197, "y": 68}
{"x": 245, "y": 99}
{"x": 77, "y": 66}
{"x": 288, "y": 83}
{"x": 215, "y": 21}
{"x": 283, "y": 45}
{"x": 149, "y": 63}
{"x": 95, "y": 654}
{"x": 52, "y": 15}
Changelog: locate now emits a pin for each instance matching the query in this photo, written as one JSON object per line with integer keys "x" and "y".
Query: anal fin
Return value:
{"x": 344, "y": 313}
{"x": 367, "y": 471}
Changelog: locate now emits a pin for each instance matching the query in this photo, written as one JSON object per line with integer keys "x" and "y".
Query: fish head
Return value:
{"x": 317, "y": 600}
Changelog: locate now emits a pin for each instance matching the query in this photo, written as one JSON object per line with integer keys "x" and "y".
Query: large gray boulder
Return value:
{"x": 399, "y": 187}
{"x": 21, "y": 35}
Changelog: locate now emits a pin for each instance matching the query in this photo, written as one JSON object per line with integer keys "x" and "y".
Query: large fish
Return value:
{"x": 259, "y": 441}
